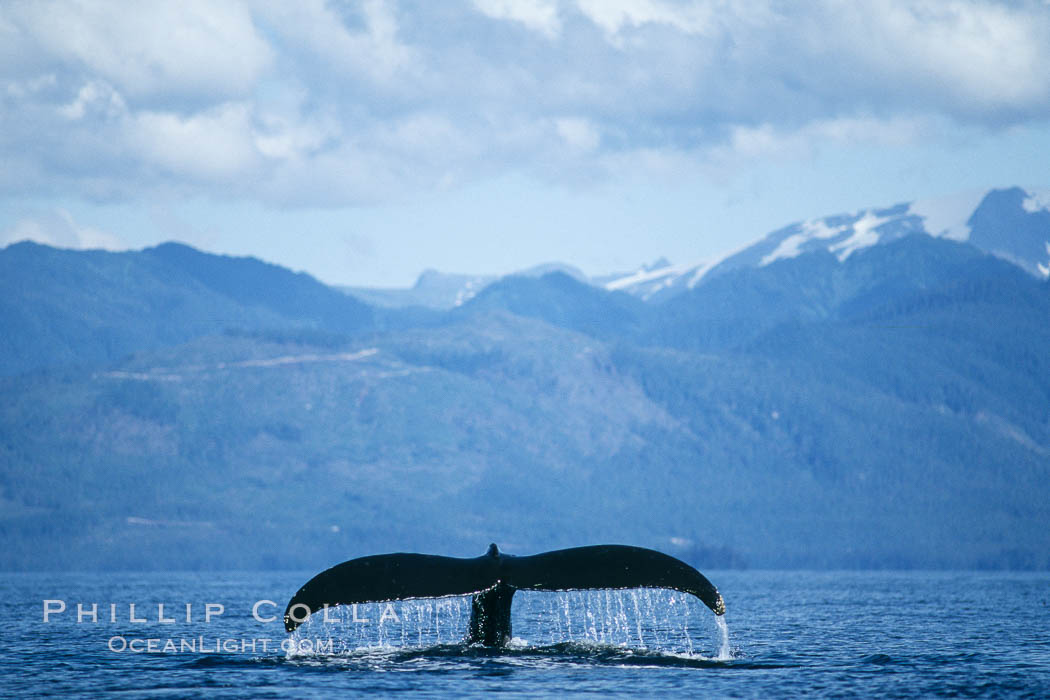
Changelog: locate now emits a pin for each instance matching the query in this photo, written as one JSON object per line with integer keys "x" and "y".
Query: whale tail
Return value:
{"x": 493, "y": 578}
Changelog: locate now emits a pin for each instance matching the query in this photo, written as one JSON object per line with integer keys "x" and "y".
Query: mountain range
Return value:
{"x": 870, "y": 390}
{"x": 1010, "y": 223}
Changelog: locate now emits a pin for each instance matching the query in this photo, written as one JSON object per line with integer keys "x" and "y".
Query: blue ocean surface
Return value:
{"x": 856, "y": 634}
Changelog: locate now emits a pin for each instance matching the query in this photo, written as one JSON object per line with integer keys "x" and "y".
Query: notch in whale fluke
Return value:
{"x": 493, "y": 578}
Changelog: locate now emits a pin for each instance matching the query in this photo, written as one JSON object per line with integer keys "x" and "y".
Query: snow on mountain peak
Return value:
{"x": 1013, "y": 224}
{"x": 946, "y": 217}
{"x": 651, "y": 278}
{"x": 1036, "y": 201}
{"x": 864, "y": 235}
{"x": 791, "y": 247}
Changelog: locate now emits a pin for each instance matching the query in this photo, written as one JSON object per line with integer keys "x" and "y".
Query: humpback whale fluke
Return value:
{"x": 493, "y": 578}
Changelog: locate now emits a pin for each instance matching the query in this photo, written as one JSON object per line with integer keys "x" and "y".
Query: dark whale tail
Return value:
{"x": 493, "y": 578}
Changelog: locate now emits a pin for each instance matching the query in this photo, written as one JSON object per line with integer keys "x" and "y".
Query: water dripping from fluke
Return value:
{"x": 724, "y": 652}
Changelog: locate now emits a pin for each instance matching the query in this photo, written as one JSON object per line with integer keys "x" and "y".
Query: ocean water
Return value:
{"x": 868, "y": 634}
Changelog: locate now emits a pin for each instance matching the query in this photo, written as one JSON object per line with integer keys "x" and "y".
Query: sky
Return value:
{"x": 364, "y": 142}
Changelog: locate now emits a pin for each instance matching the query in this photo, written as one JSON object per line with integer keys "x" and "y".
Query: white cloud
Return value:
{"x": 540, "y": 16}
{"x": 768, "y": 141}
{"x": 964, "y": 56}
{"x": 19, "y": 90}
{"x": 283, "y": 137}
{"x": 149, "y": 50}
{"x": 58, "y": 229}
{"x": 315, "y": 26}
{"x": 98, "y": 97}
{"x": 216, "y": 144}
{"x": 340, "y": 103}
{"x": 578, "y": 134}
{"x": 615, "y": 15}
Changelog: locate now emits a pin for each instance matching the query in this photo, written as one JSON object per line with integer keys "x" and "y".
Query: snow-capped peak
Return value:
{"x": 1036, "y": 201}
{"x": 1013, "y": 224}
{"x": 946, "y": 217}
{"x": 791, "y": 246}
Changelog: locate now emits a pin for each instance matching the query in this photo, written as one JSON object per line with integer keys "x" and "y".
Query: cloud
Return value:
{"x": 216, "y": 144}
{"x": 768, "y": 141}
{"x": 332, "y": 103}
{"x": 578, "y": 134}
{"x": 540, "y": 16}
{"x": 94, "y": 96}
{"x": 982, "y": 61}
{"x": 155, "y": 50}
{"x": 58, "y": 229}
{"x": 614, "y": 15}
{"x": 346, "y": 45}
